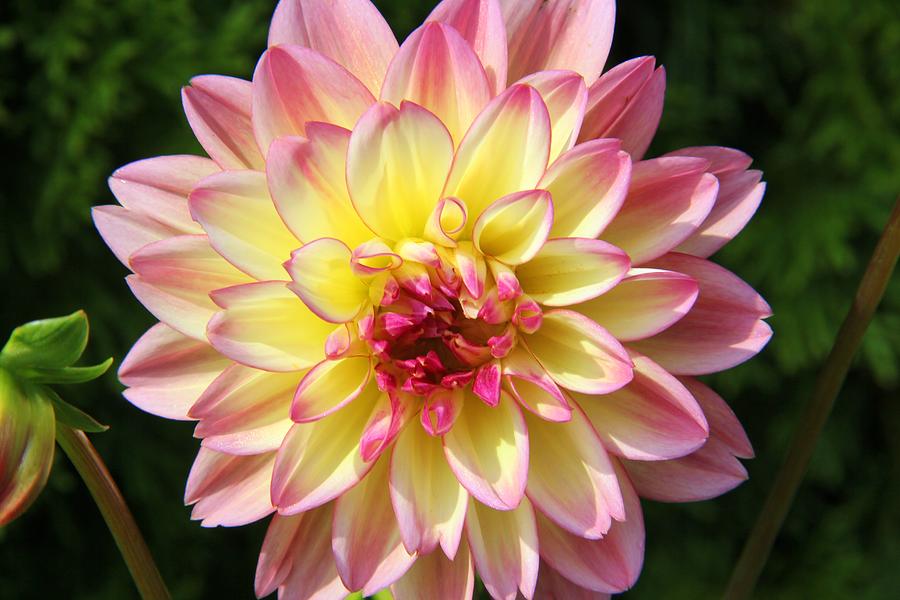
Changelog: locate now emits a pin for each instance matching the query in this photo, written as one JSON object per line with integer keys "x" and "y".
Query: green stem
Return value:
{"x": 114, "y": 510}
{"x": 831, "y": 378}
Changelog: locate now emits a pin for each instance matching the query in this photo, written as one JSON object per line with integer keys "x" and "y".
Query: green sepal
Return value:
{"x": 71, "y": 416}
{"x": 66, "y": 374}
{"x": 47, "y": 344}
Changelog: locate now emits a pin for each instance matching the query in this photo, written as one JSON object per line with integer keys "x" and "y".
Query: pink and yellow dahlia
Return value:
{"x": 432, "y": 309}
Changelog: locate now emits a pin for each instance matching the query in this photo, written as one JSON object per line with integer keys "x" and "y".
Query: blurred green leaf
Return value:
{"x": 47, "y": 344}
{"x": 71, "y": 416}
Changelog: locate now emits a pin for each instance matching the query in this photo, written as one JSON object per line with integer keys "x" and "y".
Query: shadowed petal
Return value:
{"x": 228, "y": 490}
{"x": 434, "y": 576}
{"x": 553, "y": 586}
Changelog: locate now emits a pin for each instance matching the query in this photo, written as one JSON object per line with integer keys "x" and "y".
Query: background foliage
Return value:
{"x": 810, "y": 88}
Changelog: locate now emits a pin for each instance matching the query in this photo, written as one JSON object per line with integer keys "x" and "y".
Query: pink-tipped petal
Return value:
{"x": 565, "y": 95}
{"x": 645, "y": 303}
{"x": 480, "y": 22}
{"x": 513, "y": 229}
{"x": 365, "y": 537}
{"x": 330, "y": 385}
{"x": 166, "y": 372}
{"x": 245, "y": 411}
{"x": 228, "y": 490}
{"x": 627, "y": 103}
{"x": 723, "y": 329}
{"x": 438, "y": 70}
{"x": 668, "y": 200}
{"x": 388, "y": 146}
{"x": 350, "y": 32}
{"x": 505, "y": 150}
{"x": 529, "y": 383}
{"x": 307, "y": 178}
{"x": 435, "y": 576}
{"x": 504, "y": 547}
{"x": 571, "y": 270}
{"x": 293, "y": 85}
{"x": 236, "y": 212}
{"x": 723, "y": 423}
{"x": 127, "y": 231}
{"x": 571, "y": 479}
{"x": 324, "y": 279}
{"x": 174, "y": 278}
{"x": 588, "y": 185}
{"x": 564, "y": 34}
{"x": 218, "y": 110}
{"x": 579, "y": 354}
{"x": 487, "y": 449}
{"x": 652, "y": 418}
{"x": 266, "y": 326}
{"x": 608, "y": 565}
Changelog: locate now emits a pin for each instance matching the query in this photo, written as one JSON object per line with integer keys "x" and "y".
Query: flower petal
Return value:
{"x": 564, "y": 34}
{"x": 723, "y": 423}
{"x": 328, "y": 386}
{"x": 324, "y": 279}
{"x": 243, "y": 226}
{"x": 571, "y": 478}
{"x": 652, "y": 418}
{"x": 127, "y": 231}
{"x": 513, "y": 229}
{"x": 480, "y": 22}
{"x": 504, "y": 548}
{"x": 174, "y": 278}
{"x": 571, "y": 270}
{"x": 645, "y": 303}
{"x": 723, "y": 329}
{"x": 434, "y": 576}
{"x": 228, "y": 490}
{"x": 588, "y": 185}
{"x": 627, "y": 103}
{"x": 529, "y": 383}
{"x": 553, "y": 586}
{"x": 579, "y": 354}
{"x": 505, "y": 150}
{"x": 487, "y": 449}
{"x": 668, "y": 199}
{"x": 350, "y": 32}
{"x": 245, "y": 411}
{"x": 611, "y": 564}
{"x": 565, "y": 95}
{"x": 166, "y": 372}
{"x": 218, "y": 110}
{"x": 365, "y": 537}
{"x": 438, "y": 70}
{"x": 265, "y": 325}
{"x": 293, "y": 85}
{"x": 321, "y": 460}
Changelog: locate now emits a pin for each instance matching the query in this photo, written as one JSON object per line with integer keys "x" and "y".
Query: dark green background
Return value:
{"x": 810, "y": 88}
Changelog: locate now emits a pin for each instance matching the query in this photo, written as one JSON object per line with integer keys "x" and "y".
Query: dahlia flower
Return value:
{"x": 432, "y": 310}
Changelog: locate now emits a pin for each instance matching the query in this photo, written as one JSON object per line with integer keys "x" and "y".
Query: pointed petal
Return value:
{"x": 350, "y": 32}
{"x": 174, "y": 278}
{"x": 397, "y": 163}
{"x": 627, "y": 103}
{"x": 293, "y": 85}
{"x": 265, "y": 325}
{"x": 218, "y": 110}
{"x": 609, "y": 565}
{"x": 571, "y": 270}
{"x": 565, "y": 95}
{"x": 571, "y": 479}
{"x": 276, "y": 557}
{"x": 723, "y": 329}
{"x": 307, "y": 178}
{"x": 324, "y": 279}
{"x": 365, "y": 537}
{"x": 723, "y": 423}
{"x": 245, "y": 411}
{"x": 668, "y": 199}
{"x": 487, "y": 449}
{"x": 126, "y": 231}
{"x": 588, "y": 185}
{"x": 480, "y": 22}
{"x": 513, "y": 229}
{"x": 504, "y": 547}
{"x": 564, "y": 34}
{"x": 529, "y": 383}
{"x": 236, "y": 212}
{"x": 434, "y": 576}
{"x": 645, "y": 303}
{"x": 321, "y": 460}
{"x": 504, "y": 151}
{"x": 228, "y": 490}
{"x": 652, "y": 418}
{"x": 438, "y": 70}
{"x": 166, "y": 372}
{"x": 579, "y": 354}
{"x": 429, "y": 502}
{"x": 328, "y": 386}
